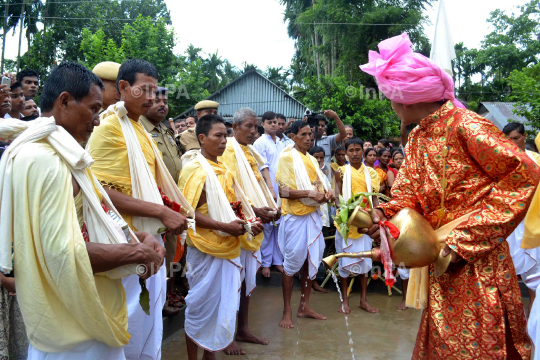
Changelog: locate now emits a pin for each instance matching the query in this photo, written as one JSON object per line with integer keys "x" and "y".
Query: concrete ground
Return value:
{"x": 390, "y": 334}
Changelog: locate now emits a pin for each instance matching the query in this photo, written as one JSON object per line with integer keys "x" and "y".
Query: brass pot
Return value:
{"x": 417, "y": 245}
{"x": 360, "y": 218}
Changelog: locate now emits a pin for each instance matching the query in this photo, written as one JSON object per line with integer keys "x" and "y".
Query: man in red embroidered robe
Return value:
{"x": 458, "y": 162}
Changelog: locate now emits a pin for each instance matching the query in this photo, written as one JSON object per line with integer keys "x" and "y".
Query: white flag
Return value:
{"x": 442, "y": 50}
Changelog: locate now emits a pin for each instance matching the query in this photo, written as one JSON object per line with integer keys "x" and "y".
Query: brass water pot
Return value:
{"x": 417, "y": 245}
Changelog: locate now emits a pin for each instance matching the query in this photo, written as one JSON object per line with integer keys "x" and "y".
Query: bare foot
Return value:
{"x": 318, "y": 287}
{"x": 234, "y": 349}
{"x": 309, "y": 313}
{"x": 370, "y": 309}
{"x": 246, "y": 336}
{"x": 266, "y": 272}
{"x": 402, "y": 306}
{"x": 286, "y": 322}
{"x": 344, "y": 309}
{"x": 312, "y": 291}
{"x": 280, "y": 268}
{"x": 207, "y": 355}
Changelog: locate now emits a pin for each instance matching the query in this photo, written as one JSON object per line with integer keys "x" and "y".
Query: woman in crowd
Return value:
{"x": 393, "y": 169}
{"x": 370, "y": 157}
{"x": 382, "y": 169}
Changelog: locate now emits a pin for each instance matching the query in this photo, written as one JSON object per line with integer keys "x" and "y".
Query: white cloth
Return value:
{"x": 525, "y": 260}
{"x": 102, "y": 228}
{"x": 143, "y": 185}
{"x": 213, "y": 299}
{"x": 146, "y": 330}
{"x": 256, "y": 191}
{"x": 353, "y": 266}
{"x": 88, "y": 350}
{"x": 219, "y": 207}
{"x": 404, "y": 273}
{"x": 533, "y": 325}
{"x": 251, "y": 263}
{"x": 270, "y": 150}
{"x": 270, "y": 254}
{"x": 301, "y": 238}
{"x": 304, "y": 183}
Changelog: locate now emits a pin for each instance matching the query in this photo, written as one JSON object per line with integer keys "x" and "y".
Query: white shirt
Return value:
{"x": 271, "y": 150}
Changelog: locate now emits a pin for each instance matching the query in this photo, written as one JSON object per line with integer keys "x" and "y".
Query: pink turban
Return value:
{"x": 407, "y": 77}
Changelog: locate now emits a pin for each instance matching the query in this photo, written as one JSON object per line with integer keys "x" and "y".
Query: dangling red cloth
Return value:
{"x": 386, "y": 257}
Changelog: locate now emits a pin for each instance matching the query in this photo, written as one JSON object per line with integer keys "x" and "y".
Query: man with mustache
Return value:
{"x": 164, "y": 138}
{"x": 30, "y": 110}
{"x": 130, "y": 168}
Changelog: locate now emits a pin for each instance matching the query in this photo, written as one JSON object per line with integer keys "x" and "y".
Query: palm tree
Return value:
{"x": 213, "y": 70}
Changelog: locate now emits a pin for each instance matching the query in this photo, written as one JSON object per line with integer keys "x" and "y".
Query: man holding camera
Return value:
{"x": 328, "y": 143}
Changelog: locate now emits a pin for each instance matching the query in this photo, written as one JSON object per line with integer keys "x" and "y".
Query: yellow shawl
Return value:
{"x": 107, "y": 146}
{"x": 531, "y": 235}
{"x": 285, "y": 177}
{"x": 191, "y": 183}
{"x": 229, "y": 160}
{"x": 49, "y": 247}
{"x": 358, "y": 185}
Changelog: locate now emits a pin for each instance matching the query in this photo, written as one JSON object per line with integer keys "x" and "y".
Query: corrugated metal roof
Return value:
{"x": 499, "y": 113}
{"x": 257, "y": 92}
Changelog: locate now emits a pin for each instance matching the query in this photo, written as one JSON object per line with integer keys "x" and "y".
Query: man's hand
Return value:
{"x": 317, "y": 196}
{"x": 330, "y": 196}
{"x": 374, "y": 232}
{"x": 173, "y": 221}
{"x": 455, "y": 257}
{"x": 235, "y": 228}
{"x": 278, "y": 214}
{"x": 257, "y": 228}
{"x": 264, "y": 214}
{"x": 331, "y": 114}
{"x": 150, "y": 261}
{"x": 151, "y": 241}
{"x": 9, "y": 284}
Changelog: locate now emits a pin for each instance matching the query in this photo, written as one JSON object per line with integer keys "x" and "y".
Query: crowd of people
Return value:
{"x": 112, "y": 216}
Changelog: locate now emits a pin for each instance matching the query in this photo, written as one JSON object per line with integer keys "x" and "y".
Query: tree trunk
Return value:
{"x": 316, "y": 51}
{"x": 21, "y": 20}
{"x": 6, "y": 12}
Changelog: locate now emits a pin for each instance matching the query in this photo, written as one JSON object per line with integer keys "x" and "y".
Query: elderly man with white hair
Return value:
{"x": 251, "y": 171}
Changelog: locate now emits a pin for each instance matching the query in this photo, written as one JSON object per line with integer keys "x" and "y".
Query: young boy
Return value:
{"x": 361, "y": 179}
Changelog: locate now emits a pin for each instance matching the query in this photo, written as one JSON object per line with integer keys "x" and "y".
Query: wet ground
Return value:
{"x": 390, "y": 334}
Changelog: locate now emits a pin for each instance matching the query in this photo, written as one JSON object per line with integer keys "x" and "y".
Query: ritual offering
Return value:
{"x": 406, "y": 240}
{"x": 355, "y": 212}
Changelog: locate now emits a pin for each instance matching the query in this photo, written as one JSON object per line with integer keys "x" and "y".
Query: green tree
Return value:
{"x": 371, "y": 117}
{"x": 526, "y": 92}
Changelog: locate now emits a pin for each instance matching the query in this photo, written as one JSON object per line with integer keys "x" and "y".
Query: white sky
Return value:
{"x": 253, "y": 30}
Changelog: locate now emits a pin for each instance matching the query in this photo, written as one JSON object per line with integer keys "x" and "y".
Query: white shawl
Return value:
{"x": 304, "y": 183}
{"x": 143, "y": 185}
{"x": 101, "y": 228}
{"x": 256, "y": 191}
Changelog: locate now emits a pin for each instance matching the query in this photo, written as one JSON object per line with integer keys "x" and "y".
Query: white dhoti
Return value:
{"x": 88, "y": 350}
{"x": 525, "y": 260}
{"x": 270, "y": 253}
{"x": 251, "y": 263}
{"x": 213, "y": 299}
{"x": 353, "y": 266}
{"x": 146, "y": 330}
{"x": 301, "y": 238}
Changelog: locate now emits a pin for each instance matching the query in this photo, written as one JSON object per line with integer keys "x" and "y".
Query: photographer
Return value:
{"x": 328, "y": 143}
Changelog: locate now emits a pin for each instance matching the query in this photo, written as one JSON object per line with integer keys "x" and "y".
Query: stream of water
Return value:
{"x": 334, "y": 277}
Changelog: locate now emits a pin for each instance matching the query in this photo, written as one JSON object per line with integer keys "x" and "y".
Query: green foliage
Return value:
{"x": 371, "y": 117}
{"x": 526, "y": 92}
{"x": 346, "y": 208}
